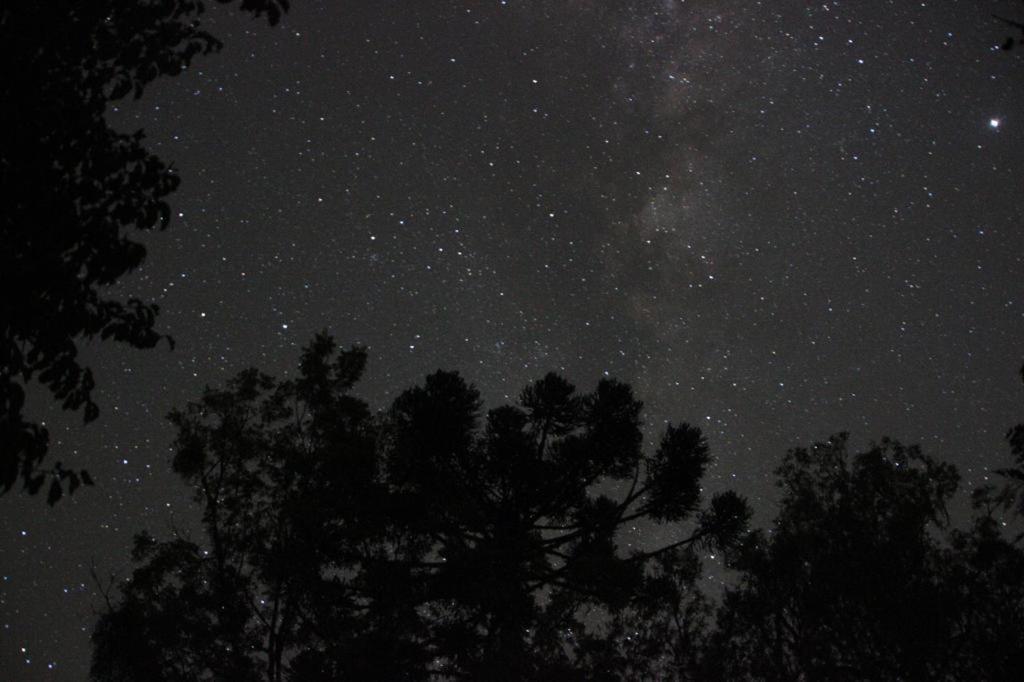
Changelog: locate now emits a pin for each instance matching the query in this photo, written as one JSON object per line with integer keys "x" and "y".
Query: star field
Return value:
{"x": 777, "y": 220}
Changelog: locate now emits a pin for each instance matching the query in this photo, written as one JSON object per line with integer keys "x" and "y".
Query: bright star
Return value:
{"x": 994, "y": 122}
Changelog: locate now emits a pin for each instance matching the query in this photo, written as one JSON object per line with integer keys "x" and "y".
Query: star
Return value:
{"x": 624, "y": 228}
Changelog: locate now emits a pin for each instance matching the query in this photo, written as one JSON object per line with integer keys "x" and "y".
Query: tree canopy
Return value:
{"x": 429, "y": 539}
{"x": 1012, "y": 494}
{"x": 73, "y": 191}
{"x": 434, "y": 541}
{"x": 862, "y": 578}
{"x": 846, "y": 586}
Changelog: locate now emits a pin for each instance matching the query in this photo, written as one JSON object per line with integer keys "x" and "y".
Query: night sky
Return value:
{"x": 777, "y": 220}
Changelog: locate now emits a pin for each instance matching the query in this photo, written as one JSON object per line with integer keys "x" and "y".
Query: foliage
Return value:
{"x": 422, "y": 541}
{"x": 73, "y": 189}
{"x": 860, "y": 579}
{"x": 432, "y": 541}
{"x": 983, "y": 570}
{"x": 285, "y": 475}
{"x": 1013, "y": 492}
{"x": 527, "y": 545}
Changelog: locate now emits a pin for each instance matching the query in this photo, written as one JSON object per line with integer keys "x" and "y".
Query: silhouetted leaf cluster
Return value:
{"x": 73, "y": 189}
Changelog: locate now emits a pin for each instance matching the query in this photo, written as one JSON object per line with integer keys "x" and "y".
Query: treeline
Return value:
{"x": 432, "y": 541}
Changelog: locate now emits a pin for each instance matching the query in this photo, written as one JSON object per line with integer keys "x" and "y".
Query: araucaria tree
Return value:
{"x": 426, "y": 540}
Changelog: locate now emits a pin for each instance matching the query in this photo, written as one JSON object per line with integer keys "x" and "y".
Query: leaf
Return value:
{"x": 56, "y": 492}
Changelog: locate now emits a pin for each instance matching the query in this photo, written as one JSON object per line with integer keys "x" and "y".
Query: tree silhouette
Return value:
{"x": 431, "y": 541}
{"x": 414, "y": 543}
{"x": 524, "y": 545}
{"x": 73, "y": 189}
{"x": 855, "y": 581}
{"x": 983, "y": 571}
{"x": 661, "y": 634}
{"x": 1013, "y": 494}
{"x": 292, "y": 514}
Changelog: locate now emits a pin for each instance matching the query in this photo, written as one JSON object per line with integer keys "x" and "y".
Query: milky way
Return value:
{"x": 778, "y": 220}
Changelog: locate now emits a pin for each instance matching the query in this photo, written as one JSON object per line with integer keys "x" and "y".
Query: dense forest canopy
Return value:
{"x": 430, "y": 541}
